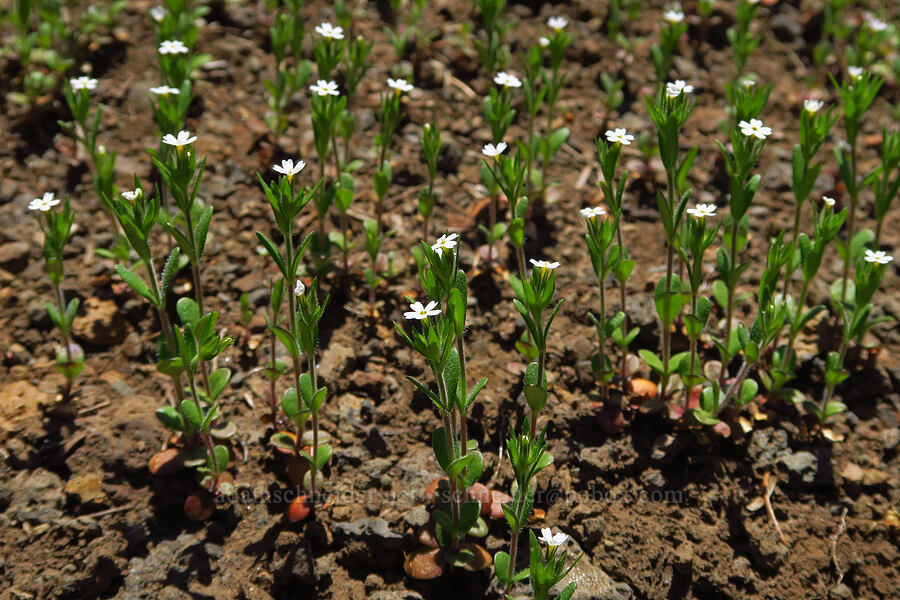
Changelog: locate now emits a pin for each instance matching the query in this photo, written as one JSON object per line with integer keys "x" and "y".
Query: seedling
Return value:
{"x": 56, "y": 225}
{"x": 389, "y": 117}
{"x": 291, "y": 70}
{"x": 492, "y": 51}
{"x": 663, "y": 54}
{"x": 548, "y": 566}
{"x": 743, "y": 42}
{"x": 431, "y": 148}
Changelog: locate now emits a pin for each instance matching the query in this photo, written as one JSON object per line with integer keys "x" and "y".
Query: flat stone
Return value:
{"x": 86, "y": 488}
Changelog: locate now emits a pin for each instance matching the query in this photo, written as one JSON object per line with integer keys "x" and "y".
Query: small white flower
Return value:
{"x": 552, "y": 539}
{"x": 492, "y": 150}
{"x": 748, "y": 82}
{"x": 330, "y": 31}
{"x": 83, "y": 83}
{"x": 592, "y": 212}
{"x": 158, "y": 13}
{"x": 325, "y": 88}
{"x": 400, "y": 85}
{"x": 811, "y": 105}
{"x": 173, "y": 47}
{"x": 677, "y": 87}
{"x": 419, "y": 312}
{"x": 164, "y": 90}
{"x": 182, "y": 139}
{"x": 880, "y": 256}
{"x": 544, "y": 264}
{"x": 445, "y": 242}
{"x": 855, "y": 72}
{"x": 674, "y": 15}
{"x": 507, "y": 80}
{"x": 299, "y": 288}
{"x": 288, "y": 168}
{"x": 544, "y": 41}
{"x": 44, "y": 203}
{"x": 133, "y": 195}
{"x": 829, "y": 201}
{"x": 556, "y": 23}
{"x": 619, "y": 136}
{"x": 876, "y": 24}
{"x": 755, "y": 128}
{"x": 702, "y": 211}
{"x": 752, "y": 1}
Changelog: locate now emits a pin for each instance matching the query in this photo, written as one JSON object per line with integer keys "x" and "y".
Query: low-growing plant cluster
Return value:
{"x": 710, "y": 365}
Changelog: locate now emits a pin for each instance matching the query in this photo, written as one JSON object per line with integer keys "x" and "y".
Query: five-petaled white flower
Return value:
{"x": 325, "y": 88}
{"x": 619, "y": 136}
{"x": 592, "y": 212}
{"x": 44, "y": 203}
{"x": 164, "y": 90}
{"x": 133, "y": 195}
{"x": 828, "y": 200}
{"x": 158, "y": 13}
{"x": 876, "y": 24}
{"x": 748, "y": 82}
{"x": 299, "y": 288}
{"x": 544, "y": 41}
{"x": 701, "y": 211}
{"x": 182, "y": 139}
{"x": 552, "y": 539}
{"x": 330, "y": 31}
{"x": 83, "y": 83}
{"x": 674, "y": 15}
{"x": 445, "y": 242}
{"x": 173, "y": 47}
{"x": 400, "y": 85}
{"x": 289, "y": 168}
{"x": 544, "y": 264}
{"x": 507, "y": 80}
{"x": 419, "y": 312}
{"x": 855, "y": 72}
{"x": 677, "y": 87}
{"x": 755, "y": 128}
{"x": 879, "y": 256}
{"x": 811, "y": 105}
{"x": 556, "y": 23}
{"x": 492, "y": 150}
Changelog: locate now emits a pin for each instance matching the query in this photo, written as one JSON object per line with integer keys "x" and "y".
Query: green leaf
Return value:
{"x": 170, "y": 418}
{"x": 192, "y": 414}
{"x": 221, "y": 453}
{"x": 440, "y": 444}
{"x": 322, "y": 455}
{"x": 652, "y": 360}
{"x": 283, "y": 441}
{"x": 137, "y": 284}
{"x": 218, "y": 379}
{"x": 188, "y": 311}
{"x": 202, "y": 230}
{"x": 501, "y": 566}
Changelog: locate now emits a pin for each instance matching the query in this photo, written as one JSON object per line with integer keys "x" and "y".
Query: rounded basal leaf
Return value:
{"x": 307, "y": 439}
{"x": 199, "y": 506}
{"x": 194, "y": 456}
{"x": 284, "y": 441}
{"x": 170, "y": 418}
{"x": 298, "y": 509}
{"x": 425, "y": 563}
{"x": 479, "y": 529}
{"x": 473, "y": 557}
{"x": 307, "y": 480}
{"x": 642, "y": 388}
{"x": 165, "y": 462}
{"x": 224, "y": 431}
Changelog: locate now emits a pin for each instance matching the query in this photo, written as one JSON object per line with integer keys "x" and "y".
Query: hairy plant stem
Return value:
{"x": 514, "y": 539}
{"x": 451, "y": 437}
{"x": 463, "y": 426}
{"x": 207, "y": 439}
{"x": 520, "y": 259}
{"x": 198, "y": 294}
{"x": 622, "y": 296}
{"x": 787, "y": 280}
{"x": 736, "y": 384}
{"x": 670, "y": 259}
{"x": 605, "y": 383}
{"x": 492, "y": 221}
{"x": 693, "y": 347}
{"x": 166, "y": 326}
{"x": 851, "y": 221}
{"x": 792, "y": 336}
{"x": 315, "y": 428}
{"x": 729, "y": 310}
{"x": 345, "y": 250}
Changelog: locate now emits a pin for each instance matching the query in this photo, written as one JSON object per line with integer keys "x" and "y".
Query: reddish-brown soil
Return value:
{"x": 666, "y": 512}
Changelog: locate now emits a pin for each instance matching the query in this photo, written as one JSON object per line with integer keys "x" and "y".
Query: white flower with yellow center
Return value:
{"x": 619, "y": 136}
{"x": 400, "y": 86}
{"x": 829, "y": 201}
{"x": 173, "y": 47}
{"x": 83, "y": 83}
{"x": 673, "y": 15}
{"x": 164, "y": 90}
{"x": 327, "y": 30}
{"x": 419, "y": 312}
{"x": 701, "y": 211}
{"x": 592, "y": 212}
{"x": 879, "y": 256}
{"x": 325, "y": 88}
{"x": 755, "y": 128}
{"x": 811, "y": 105}
{"x": 289, "y": 168}
{"x": 44, "y": 203}
{"x": 183, "y": 139}
{"x": 557, "y": 23}
{"x": 678, "y": 87}
{"x": 492, "y": 150}
{"x": 544, "y": 265}
{"x": 552, "y": 539}
{"x": 133, "y": 195}
{"x": 445, "y": 242}
{"x": 507, "y": 80}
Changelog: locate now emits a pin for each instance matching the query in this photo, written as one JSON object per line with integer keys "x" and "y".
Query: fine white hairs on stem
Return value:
{"x": 418, "y": 312}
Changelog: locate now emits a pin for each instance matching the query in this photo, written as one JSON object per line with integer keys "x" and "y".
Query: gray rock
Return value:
{"x": 391, "y": 595}
{"x": 890, "y": 438}
{"x": 373, "y": 529}
{"x": 592, "y": 582}
{"x": 298, "y": 566}
{"x": 14, "y": 256}
{"x": 416, "y": 516}
{"x": 766, "y": 446}
{"x": 801, "y": 466}
{"x": 765, "y": 550}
